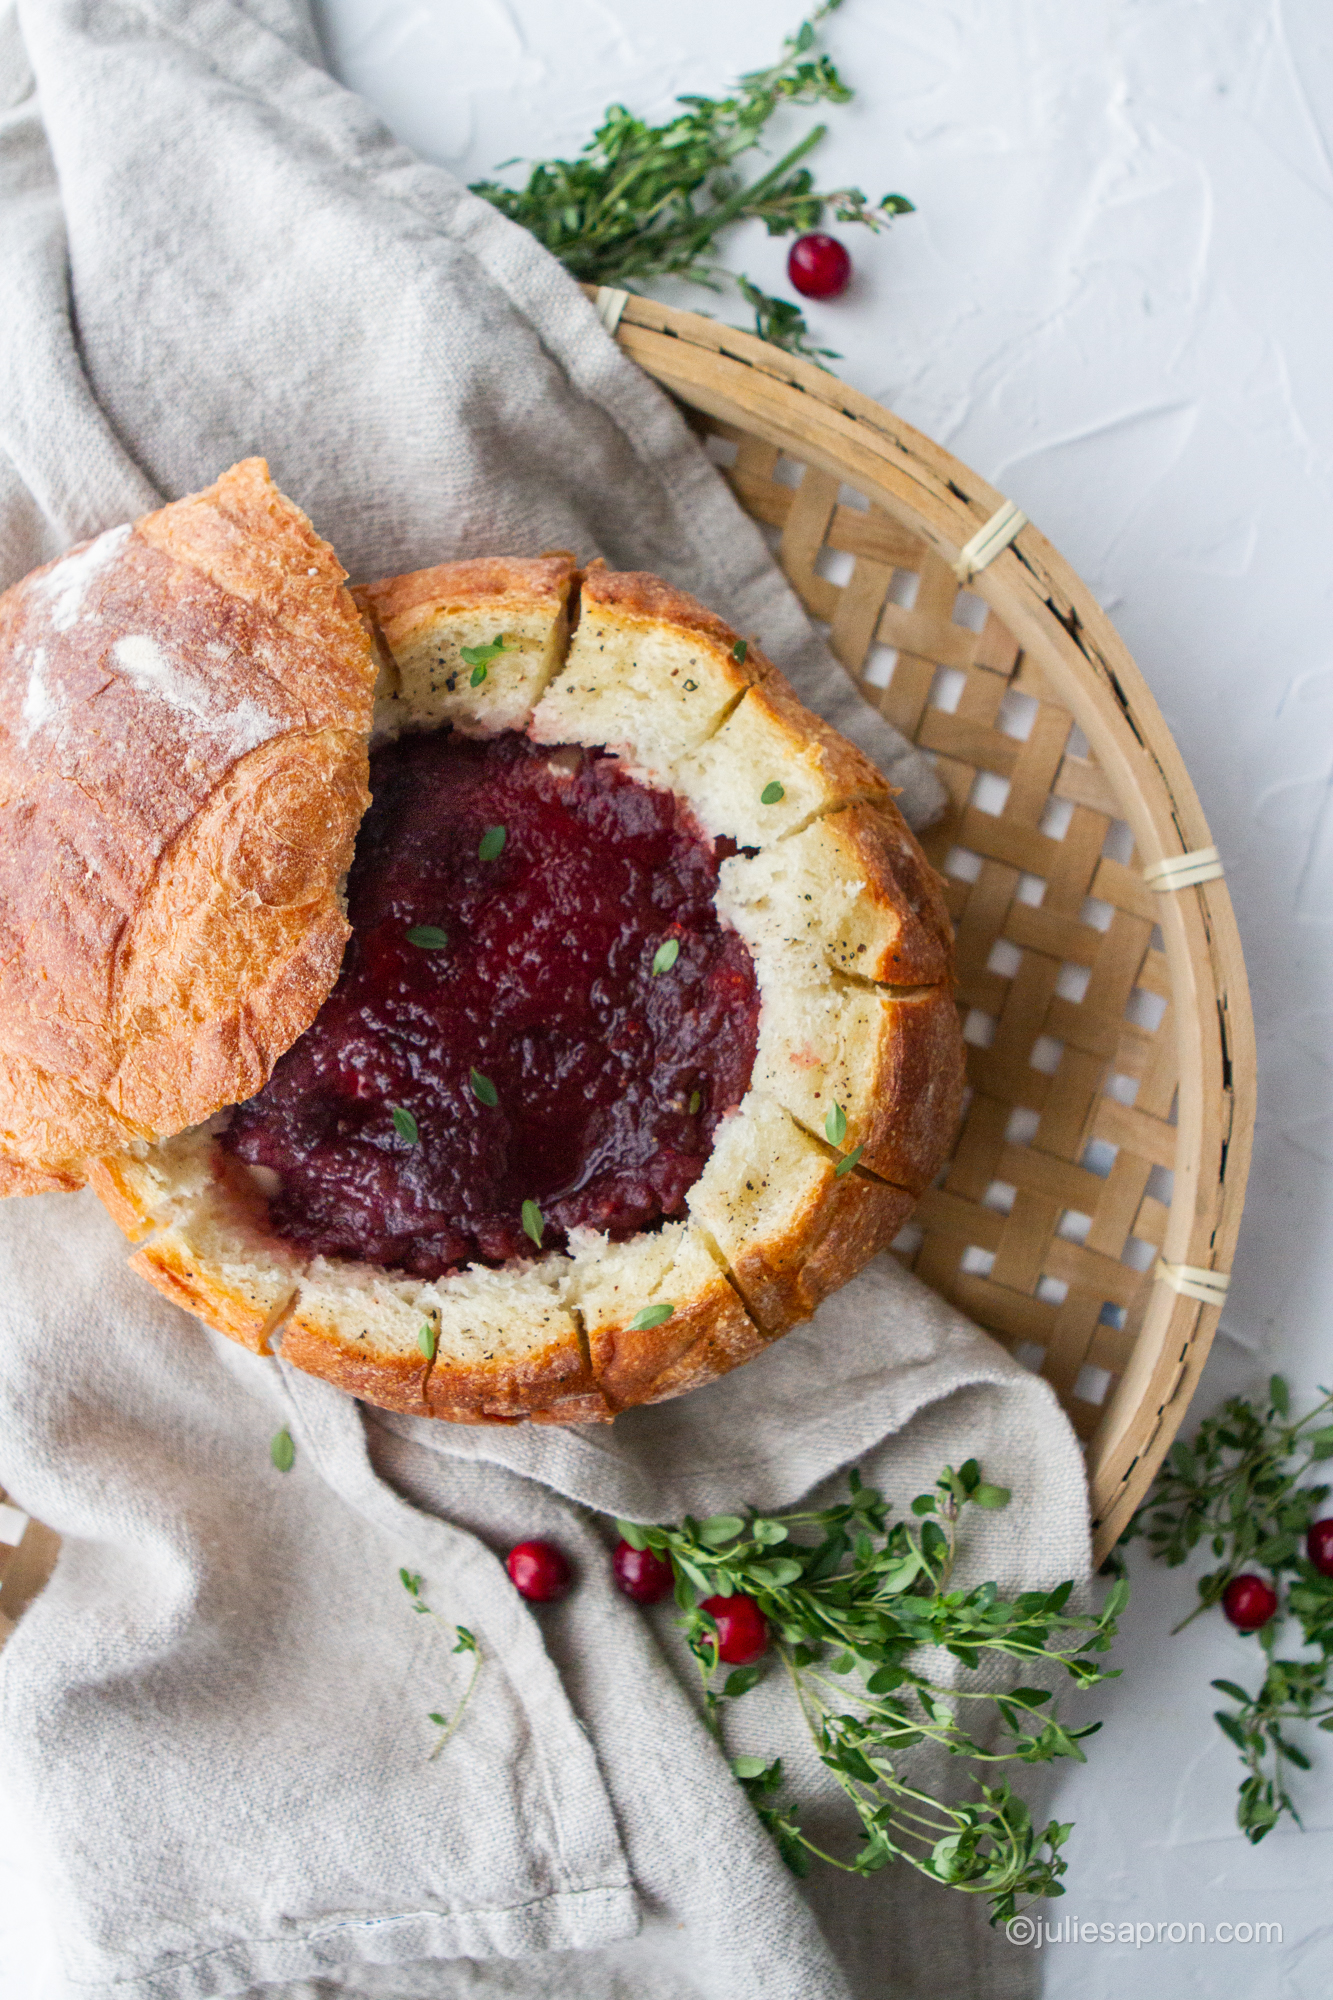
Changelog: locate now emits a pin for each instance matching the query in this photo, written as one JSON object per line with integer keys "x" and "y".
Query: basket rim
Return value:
{"x": 799, "y": 407}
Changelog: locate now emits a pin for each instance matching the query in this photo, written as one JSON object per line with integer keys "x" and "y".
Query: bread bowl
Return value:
{"x": 590, "y": 695}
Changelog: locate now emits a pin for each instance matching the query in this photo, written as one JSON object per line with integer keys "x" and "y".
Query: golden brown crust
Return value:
{"x": 790, "y": 1226}
{"x": 557, "y": 1378}
{"x": 911, "y": 944}
{"x": 851, "y": 893}
{"x": 771, "y": 768}
{"x": 212, "y": 1252}
{"x": 590, "y": 1408}
{"x": 175, "y": 1268}
{"x": 638, "y": 594}
{"x": 15, "y": 1178}
{"x": 389, "y": 1381}
{"x": 847, "y": 772}
{"x": 917, "y": 1096}
{"x": 707, "y": 1335}
{"x": 647, "y": 685}
{"x": 184, "y": 707}
{"x": 549, "y": 1373}
{"x": 891, "y": 1063}
{"x": 697, "y": 1327}
{"x": 457, "y": 586}
{"x": 116, "y": 1186}
{"x": 437, "y": 631}
{"x": 857, "y": 1218}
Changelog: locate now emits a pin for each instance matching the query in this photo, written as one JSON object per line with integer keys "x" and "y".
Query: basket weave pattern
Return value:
{"x": 1042, "y": 1227}
{"x": 1112, "y": 1040}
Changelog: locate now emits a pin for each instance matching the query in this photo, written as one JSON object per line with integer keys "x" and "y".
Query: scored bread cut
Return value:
{"x": 428, "y": 619}
{"x": 784, "y": 1222}
{"x": 857, "y": 1081}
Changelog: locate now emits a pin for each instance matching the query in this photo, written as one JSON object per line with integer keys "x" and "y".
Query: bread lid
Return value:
{"x": 185, "y": 704}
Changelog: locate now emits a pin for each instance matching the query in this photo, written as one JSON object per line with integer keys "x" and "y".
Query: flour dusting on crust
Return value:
{"x": 64, "y": 586}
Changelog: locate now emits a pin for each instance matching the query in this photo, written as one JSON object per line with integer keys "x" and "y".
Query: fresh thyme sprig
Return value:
{"x": 464, "y": 1642}
{"x": 850, "y": 1612}
{"x": 1239, "y": 1487}
{"x": 645, "y": 201}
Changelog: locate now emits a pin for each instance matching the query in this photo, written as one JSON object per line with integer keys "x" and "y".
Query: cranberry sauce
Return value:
{"x": 537, "y": 1055}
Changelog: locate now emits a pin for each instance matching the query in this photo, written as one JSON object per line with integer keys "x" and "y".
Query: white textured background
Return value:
{"x": 1116, "y": 302}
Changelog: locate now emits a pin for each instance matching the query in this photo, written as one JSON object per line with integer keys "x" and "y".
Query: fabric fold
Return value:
{"x": 215, "y": 1744}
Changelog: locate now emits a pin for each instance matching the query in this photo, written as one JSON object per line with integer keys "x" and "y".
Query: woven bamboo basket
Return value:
{"x": 1089, "y": 1213}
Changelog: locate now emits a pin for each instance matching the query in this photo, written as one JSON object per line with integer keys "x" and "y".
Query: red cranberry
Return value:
{"x": 742, "y": 1629}
{"x": 818, "y": 266}
{"x": 1249, "y": 1602}
{"x": 641, "y": 1574}
{"x": 1319, "y": 1546}
{"x": 538, "y": 1571}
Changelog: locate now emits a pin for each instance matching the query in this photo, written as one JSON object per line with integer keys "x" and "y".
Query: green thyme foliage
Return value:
{"x": 781, "y": 323}
{"x": 404, "y": 1124}
{"x": 647, "y": 201}
{"x": 1240, "y": 1490}
{"x": 851, "y": 1598}
{"x": 464, "y": 1642}
{"x": 649, "y": 1317}
{"x": 479, "y": 658}
{"x": 282, "y": 1451}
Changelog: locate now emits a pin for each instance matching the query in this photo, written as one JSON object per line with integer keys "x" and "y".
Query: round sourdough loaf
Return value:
{"x": 236, "y": 901}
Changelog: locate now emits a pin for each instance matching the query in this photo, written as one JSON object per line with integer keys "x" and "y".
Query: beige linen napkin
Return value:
{"x": 213, "y": 1724}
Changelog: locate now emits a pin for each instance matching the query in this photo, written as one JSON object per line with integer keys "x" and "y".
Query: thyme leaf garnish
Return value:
{"x": 479, "y": 659}
{"x": 491, "y": 845}
{"x": 483, "y": 1089}
{"x": 428, "y": 937}
{"x": 651, "y": 1316}
{"x": 665, "y": 956}
{"x": 404, "y": 1124}
{"x": 532, "y": 1222}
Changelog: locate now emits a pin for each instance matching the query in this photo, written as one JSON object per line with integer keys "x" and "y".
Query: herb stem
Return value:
{"x": 457, "y": 1715}
{"x": 744, "y": 198}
